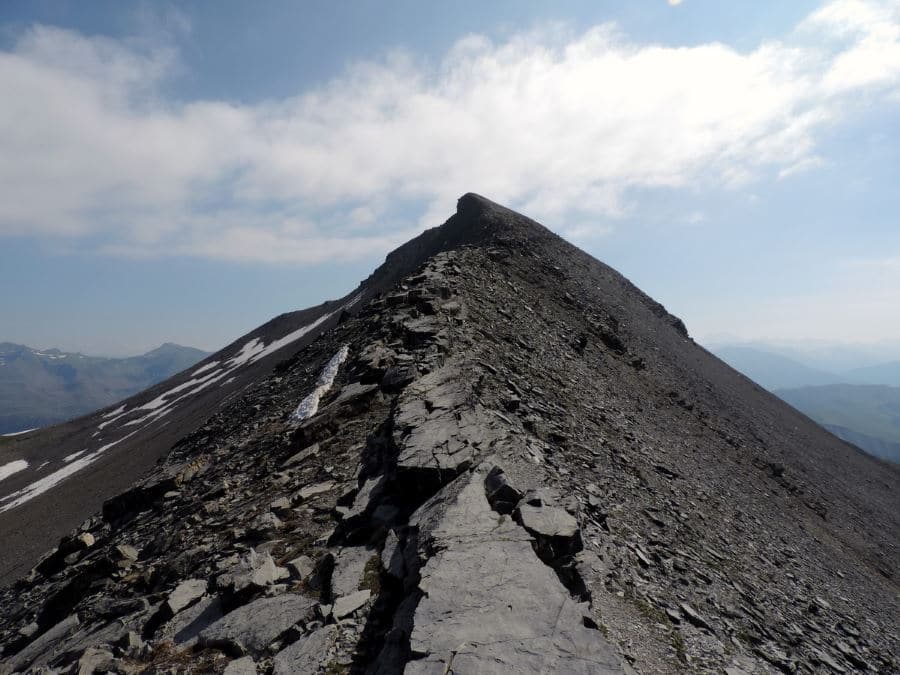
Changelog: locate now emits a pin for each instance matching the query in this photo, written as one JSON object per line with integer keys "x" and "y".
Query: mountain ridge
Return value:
{"x": 496, "y": 455}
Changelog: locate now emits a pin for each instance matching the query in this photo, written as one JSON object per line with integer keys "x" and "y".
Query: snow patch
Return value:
{"x": 9, "y": 469}
{"x": 18, "y": 433}
{"x": 310, "y": 405}
{"x": 74, "y": 455}
{"x": 41, "y": 486}
{"x": 205, "y": 367}
{"x": 214, "y": 371}
{"x": 113, "y": 413}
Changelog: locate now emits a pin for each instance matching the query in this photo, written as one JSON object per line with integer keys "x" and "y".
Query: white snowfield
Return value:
{"x": 9, "y": 469}
{"x": 310, "y": 405}
{"x": 143, "y": 415}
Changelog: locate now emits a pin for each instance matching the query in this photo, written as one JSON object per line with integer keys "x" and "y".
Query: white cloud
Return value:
{"x": 549, "y": 122}
{"x": 674, "y": 3}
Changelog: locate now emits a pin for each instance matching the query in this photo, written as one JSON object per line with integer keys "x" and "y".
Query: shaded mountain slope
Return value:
{"x": 43, "y": 387}
{"x": 523, "y": 464}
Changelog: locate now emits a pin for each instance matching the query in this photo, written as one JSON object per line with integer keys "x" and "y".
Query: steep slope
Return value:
{"x": 504, "y": 458}
{"x": 43, "y": 387}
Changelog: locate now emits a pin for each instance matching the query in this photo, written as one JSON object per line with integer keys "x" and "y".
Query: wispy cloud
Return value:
{"x": 547, "y": 121}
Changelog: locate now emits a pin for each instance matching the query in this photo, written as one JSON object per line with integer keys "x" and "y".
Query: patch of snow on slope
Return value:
{"x": 251, "y": 352}
{"x": 113, "y": 413}
{"x": 74, "y": 455}
{"x": 41, "y": 486}
{"x": 247, "y": 353}
{"x": 205, "y": 367}
{"x": 9, "y": 469}
{"x": 254, "y": 350}
{"x": 18, "y": 433}
{"x": 309, "y": 405}
{"x": 160, "y": 400}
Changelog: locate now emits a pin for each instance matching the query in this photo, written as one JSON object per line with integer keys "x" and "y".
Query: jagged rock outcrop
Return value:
{"x": 522, "y": 464}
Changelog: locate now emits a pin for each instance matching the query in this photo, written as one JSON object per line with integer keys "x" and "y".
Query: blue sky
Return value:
{"x": 185, "y": 172}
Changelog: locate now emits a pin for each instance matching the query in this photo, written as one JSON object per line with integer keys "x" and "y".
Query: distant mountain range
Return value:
{"x": 42, "y": 387}
{"x": 773, "y": 371}
{"x": 860, "y": 405}
{"x": 866, "y": 415}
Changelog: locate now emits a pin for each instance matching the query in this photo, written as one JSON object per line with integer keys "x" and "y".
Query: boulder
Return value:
{"x": 185, "y": 594}
{"x": 309, "y": 654}
{"x": 253, "y": 627}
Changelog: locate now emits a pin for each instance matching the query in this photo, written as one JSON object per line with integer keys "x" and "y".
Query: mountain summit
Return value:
{"x": 496, "y": 455}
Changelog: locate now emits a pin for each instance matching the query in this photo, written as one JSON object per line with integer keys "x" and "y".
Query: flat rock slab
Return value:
{"x": 243, "y": 666}
{"x": 185, "y": 628}
{"x": 312, "y": 490}
{"x": 548, "y": 521}
{"x": 348, "y": 604}
{"x": 302, "y": 456}
{"x": 349, "y": 569}
{"x": 489, "y": 604}
{"x": 308, "y": 654}
{"x": 186, "y": 593}
{"x": 436, "y": 428}
{"x": 45, "y": 642}
{"x": 254, "y": 626}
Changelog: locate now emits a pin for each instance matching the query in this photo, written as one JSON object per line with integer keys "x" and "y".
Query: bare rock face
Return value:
{"x": 523, "y": 465}
{"x": 436, "y": 432}
{"x": 530, "y": 623}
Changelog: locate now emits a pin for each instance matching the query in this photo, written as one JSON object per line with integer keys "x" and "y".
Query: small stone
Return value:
{"x": 127, "y": 552}
{"x": 348, "y": 604}
{"x": 242, "y": 666}
{"x": 28, "y": 630}
{"x": 308, "y": 654}
{"x": 186, "y": 594}
{"x": 94, "y": 660}
{"x": 266, "y": 524}
{"x": 313, "y": 490}
{"x": 131, "y": 643}
{"x": 301, "y": 566}
{"x": 691, "y": 615}
{"x": 302, "y": 456}
{"x": 281, "y": 505}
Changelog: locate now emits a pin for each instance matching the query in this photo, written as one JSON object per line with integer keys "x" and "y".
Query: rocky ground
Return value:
{"x": 523, "y": 465}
